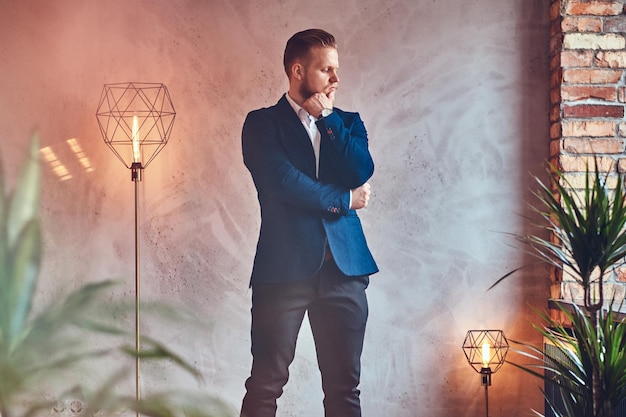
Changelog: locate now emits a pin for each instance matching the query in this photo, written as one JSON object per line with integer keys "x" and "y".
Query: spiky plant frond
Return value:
{"x": 569, "y": 366}
{"x": 588, "y": 233}
{"x": 587, "y": 238}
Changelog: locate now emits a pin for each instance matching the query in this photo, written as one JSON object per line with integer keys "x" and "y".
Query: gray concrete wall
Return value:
{"x": 454, "y": 95}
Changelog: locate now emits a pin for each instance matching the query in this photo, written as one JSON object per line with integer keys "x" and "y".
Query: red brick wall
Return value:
{"x": 588, "y": 96}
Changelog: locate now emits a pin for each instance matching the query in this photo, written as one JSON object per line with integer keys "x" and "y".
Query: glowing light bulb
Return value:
{"x": 486, "y": 354}
{"x": 136, "y": 140}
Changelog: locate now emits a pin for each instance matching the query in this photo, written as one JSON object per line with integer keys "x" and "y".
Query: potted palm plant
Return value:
{"x": 39, "y": 345}
{"x": 587, "y": 240}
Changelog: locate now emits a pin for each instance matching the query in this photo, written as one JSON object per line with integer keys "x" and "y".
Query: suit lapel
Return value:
{"x": 295, "y": 139}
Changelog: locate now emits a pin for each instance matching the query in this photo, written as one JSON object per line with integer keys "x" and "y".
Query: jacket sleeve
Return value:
{"x": 276, "y": 176}
{"x": 345, "y": 137}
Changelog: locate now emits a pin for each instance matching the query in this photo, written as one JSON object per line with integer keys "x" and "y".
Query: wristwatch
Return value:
{"x": 325, "y": 112}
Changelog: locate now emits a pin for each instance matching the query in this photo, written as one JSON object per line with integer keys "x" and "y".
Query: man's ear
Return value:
{"x": 297, "y": 71}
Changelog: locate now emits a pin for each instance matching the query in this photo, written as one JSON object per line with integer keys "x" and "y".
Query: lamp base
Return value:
{"x": 485, "y": 374}
{"x": 135, "y": 171}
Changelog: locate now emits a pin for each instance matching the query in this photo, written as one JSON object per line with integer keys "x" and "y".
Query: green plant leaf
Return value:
{"x": 24, "y": 202}
{"x": 3, "y": 230}
{"x": 156, "y": 350}
{"x": 25, "y": 264}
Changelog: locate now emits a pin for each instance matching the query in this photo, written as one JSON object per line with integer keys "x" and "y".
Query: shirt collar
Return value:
{"x": 295, "y": 106}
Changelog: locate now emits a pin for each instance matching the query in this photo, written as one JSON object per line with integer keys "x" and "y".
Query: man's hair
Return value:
{"x": 300, "y": 44}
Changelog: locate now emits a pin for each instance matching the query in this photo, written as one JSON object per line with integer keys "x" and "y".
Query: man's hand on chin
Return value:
{"x": 317, "y": 102}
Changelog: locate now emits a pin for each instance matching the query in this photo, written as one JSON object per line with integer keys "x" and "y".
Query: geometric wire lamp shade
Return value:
{"x": 485, "y": 349}
{"x": 135, "y": 120}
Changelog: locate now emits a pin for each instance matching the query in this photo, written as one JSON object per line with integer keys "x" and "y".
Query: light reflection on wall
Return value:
{"x": 80, "y": 154}
{"x": 61, "y": 169}
{"x": 56, "y": 165}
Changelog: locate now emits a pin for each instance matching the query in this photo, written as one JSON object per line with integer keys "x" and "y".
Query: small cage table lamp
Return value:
{"x": 485, "y": 351}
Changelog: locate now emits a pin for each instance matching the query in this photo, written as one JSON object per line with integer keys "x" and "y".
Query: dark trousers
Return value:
{"x": 337, "y": 310}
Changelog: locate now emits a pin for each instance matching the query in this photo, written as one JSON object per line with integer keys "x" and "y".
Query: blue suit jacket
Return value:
{"x": 299, "y": 212}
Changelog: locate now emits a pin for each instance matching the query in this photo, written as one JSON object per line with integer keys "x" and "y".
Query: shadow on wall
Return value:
{"x": 530, "y": 108}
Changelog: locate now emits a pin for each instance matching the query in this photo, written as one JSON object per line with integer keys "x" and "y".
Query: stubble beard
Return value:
{"x": 305, "y": 91}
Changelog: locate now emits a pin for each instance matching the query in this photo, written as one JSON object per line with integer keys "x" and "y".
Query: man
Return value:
{"x": 310, "y": 164}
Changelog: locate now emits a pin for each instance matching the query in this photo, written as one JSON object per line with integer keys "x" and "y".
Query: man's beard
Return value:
{"x": 306, "y": 91}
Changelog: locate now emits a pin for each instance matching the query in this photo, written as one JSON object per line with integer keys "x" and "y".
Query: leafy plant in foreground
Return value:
{"x": 38, "y": 349}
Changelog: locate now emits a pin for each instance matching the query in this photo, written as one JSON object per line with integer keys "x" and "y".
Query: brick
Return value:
{"x": 581, "y": 24}
{"x": 555, "y": 147}
{"x": 555, "y": 28}
{"x": 621, "y": 273}
{"x": 593, "y": 129}
{"x": 556, "y": 77}
{"x": 555, "y": 131}
{"x": 555, "y": 95}
{"x": 621, "y": 130}
{"x": 555, "y": 63}
{"x": 555, "y": 10}
{"x": 615, "y": 24}
{"x": 574, "y": 93}
{"x": 593, "y": 146}
{"x": 621, "y": 165}
{"x": 577, "y": 179}
{"x": 555, "y": 113}
{"x": 591, "y": 76}
{"x": 622, "y": 94}
{"x": 593, "y": 110}
{"x": 611, "y": 59}
{"x": 571, "y": 163}
{"x": 577, "y": 58}
{"x": 556, "y": 44}
{"x": 596, "y": 8}
{"x": 593, "y": 41}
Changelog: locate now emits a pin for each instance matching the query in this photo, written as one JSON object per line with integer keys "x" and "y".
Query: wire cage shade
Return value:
{"x": 135, "y": 120}
{"x": 485, "y": 347}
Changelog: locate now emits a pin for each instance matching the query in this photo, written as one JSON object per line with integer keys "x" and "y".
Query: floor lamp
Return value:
{"x": 485, "y": 351}
{"x": 136, "y": 120}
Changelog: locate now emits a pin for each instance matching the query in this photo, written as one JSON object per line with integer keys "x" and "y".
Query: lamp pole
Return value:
{"x": 485, "y": 374}
{"x": 136, "y": 171}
